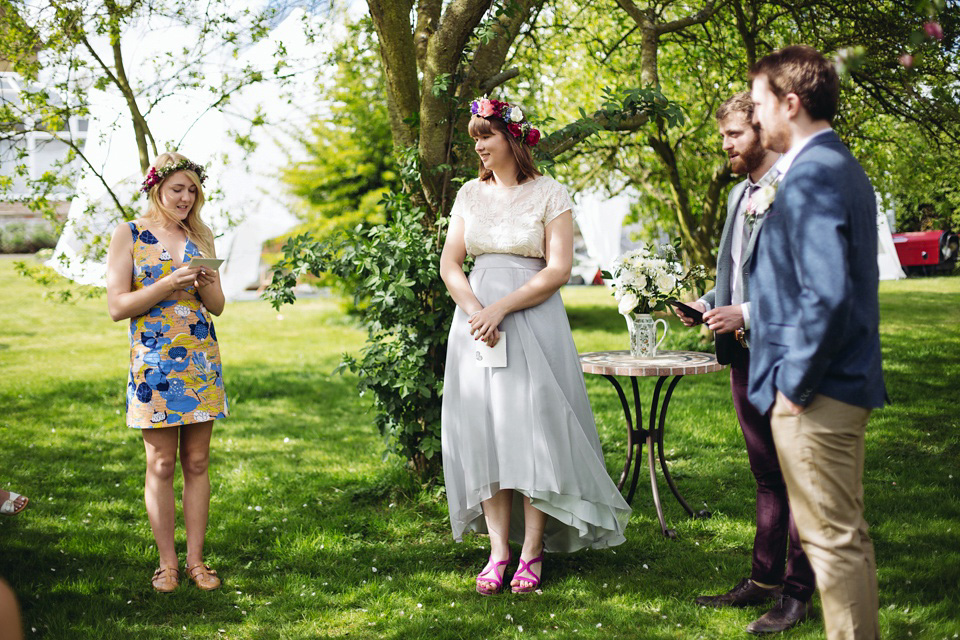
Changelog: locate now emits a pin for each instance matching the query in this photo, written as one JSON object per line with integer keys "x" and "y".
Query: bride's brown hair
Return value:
{"x": 526, "y": 169}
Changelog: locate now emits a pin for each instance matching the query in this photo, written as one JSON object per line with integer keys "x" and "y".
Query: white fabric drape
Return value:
{"x": 243, "y": 186}
{"x": 600, "y": 219}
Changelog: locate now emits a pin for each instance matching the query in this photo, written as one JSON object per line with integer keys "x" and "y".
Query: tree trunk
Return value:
{"x": 391, "y": 19}
{"x": 649, "y": 41}
{"x": 747, "y": 28}
{"x": 438, "y": 106}
{"x": 140, "y": 128}
{"x": 698, "y": 235}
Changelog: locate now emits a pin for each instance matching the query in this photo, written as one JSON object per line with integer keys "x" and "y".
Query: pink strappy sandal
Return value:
{"x": 529, "y": 577}
{"x": 498, "y": 581}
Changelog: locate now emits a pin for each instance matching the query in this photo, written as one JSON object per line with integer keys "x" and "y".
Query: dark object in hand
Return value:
{"x": 687, "y": 310}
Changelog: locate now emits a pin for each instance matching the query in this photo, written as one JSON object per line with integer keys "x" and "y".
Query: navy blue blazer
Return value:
{"x": 813, "y": 284}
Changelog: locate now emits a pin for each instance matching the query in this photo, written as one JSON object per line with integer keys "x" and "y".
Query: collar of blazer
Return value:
{"x": 790, "y": 157}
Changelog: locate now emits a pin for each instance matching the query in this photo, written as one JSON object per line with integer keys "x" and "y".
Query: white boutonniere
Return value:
{"x": 762, "y": 200}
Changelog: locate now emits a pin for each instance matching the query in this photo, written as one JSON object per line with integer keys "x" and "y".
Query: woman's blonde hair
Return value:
{"x": 197, "y": 231}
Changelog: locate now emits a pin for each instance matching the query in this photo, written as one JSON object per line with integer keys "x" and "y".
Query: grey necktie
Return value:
{"x": 745, "y": 233}
{"x": 749, "y": 220}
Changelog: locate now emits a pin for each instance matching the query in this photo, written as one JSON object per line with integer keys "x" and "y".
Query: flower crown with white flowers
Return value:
{"x": 517, "y": 123}
{"x": 156, "y": 176}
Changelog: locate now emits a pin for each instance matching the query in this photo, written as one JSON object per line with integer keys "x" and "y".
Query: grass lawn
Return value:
{"x": 317, "y": 536}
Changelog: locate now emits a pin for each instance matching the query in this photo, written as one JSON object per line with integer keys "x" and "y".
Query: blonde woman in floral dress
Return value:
{"x": 521, "y": 456}
{"x": 175, "y": 386}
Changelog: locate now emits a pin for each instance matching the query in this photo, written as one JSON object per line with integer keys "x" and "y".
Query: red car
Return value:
{"x": 927, "y": 251}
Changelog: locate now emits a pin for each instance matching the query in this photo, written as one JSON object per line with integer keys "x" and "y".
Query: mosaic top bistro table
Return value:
{"x": 677, "y": 364}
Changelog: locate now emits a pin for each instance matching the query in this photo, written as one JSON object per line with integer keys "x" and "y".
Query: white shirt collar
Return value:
{"x": 786, "y": 160}
{"x": 767, "y": 178}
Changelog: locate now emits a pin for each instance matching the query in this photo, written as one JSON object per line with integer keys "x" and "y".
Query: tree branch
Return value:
{"x": 710, "y": 218}
{"x": 688, "y": 226}
{"x": 79, "y": 151}
{"x": 639, "y": 16}
{"x": 437, "y": 110}
{"x": 497, "y": 80}
{"x": 456, "y": 26}
{"x": 747, "y": 35}
{"x": 572, "y": 139}
{"x": 682, "y": 23}
{"x": 490, "y": 56}
{"x": 428, "y": 15}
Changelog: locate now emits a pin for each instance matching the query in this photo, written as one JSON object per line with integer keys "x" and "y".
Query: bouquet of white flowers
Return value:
{"x": 645, "y": 278}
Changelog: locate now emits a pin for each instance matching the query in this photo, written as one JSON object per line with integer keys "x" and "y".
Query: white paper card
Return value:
{"x": 495, "y": 356}
{"x": 209, "y": 263}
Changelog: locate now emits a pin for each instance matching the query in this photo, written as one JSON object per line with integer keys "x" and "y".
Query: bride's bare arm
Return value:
{"x": 451, "y": 268}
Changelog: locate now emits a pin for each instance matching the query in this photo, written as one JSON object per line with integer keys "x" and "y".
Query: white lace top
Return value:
{"x": 509, "y": 219}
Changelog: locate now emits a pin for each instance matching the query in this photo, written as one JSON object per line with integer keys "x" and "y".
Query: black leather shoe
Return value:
{"x": 788, "y": 613}
{"x": 747, "y": 593}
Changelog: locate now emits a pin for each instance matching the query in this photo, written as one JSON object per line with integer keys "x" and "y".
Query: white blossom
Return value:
{"x": 628, "y": 303}
{"x": 666, "y": 281}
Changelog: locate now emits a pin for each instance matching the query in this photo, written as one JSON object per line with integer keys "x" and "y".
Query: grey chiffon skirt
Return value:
{"x": 527, "y": 426}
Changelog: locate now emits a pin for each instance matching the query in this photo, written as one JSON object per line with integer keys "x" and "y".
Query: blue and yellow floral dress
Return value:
{"x": 175, "y": 373}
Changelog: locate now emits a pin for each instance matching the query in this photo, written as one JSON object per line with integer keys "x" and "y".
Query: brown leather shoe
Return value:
{"x": 788, "y": 613}
{"x": 166, "y": 579}
{"x": 204, "y": 577}
{"x": 747, "y": 593}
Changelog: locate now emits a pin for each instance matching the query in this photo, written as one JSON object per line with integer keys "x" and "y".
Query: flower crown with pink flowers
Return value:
{"x": 156, "y": 176}
{"x": 517, "y": 123}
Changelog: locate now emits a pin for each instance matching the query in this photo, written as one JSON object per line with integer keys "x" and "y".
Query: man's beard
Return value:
{"x": 748, "y": 161}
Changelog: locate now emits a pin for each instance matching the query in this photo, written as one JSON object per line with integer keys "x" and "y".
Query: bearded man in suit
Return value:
{"x": 780, "y": 571}
{"x": 815, "y": 357}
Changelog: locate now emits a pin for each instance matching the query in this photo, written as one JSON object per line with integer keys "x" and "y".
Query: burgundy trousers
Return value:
{"x": 778, "y": 557}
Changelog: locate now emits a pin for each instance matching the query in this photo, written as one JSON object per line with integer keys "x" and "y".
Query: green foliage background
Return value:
{"x": 365, "y": 219}
{"x": 350, "y": 164}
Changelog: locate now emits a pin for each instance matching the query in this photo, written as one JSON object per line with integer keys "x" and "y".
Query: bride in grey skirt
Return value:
{"x": 521, "y": 456}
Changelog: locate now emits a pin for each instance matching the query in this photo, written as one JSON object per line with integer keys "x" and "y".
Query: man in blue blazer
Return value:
{"x": 780, "y": 572}
{"x": 815, "y": 361}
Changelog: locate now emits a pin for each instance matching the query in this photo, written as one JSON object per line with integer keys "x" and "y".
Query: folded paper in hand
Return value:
{"x": 209, "y": 263}
{"x": 495, "y": 356}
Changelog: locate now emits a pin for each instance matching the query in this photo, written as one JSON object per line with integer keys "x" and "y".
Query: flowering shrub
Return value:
{"x": 645, "y": 278}
{"x": 394, "y": 272}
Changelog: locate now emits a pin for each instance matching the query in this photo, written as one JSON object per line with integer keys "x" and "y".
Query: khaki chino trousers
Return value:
{"x": 821, "y": 454}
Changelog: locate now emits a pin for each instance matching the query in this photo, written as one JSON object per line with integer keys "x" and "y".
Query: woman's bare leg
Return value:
{"x": 194, "y": 461}
{"x": 496, "y": 511}
{"x": 161, "y": 448}
{"x": 534, "y": 522}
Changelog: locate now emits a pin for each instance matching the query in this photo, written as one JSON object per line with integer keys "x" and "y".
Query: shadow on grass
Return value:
{"x": 596, "y": 318}
{"x": 331, "y": 511}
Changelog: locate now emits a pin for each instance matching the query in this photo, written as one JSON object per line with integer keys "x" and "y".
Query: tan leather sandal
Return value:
{"x": 204, "y": 577}
{"x": 166, "y": 580}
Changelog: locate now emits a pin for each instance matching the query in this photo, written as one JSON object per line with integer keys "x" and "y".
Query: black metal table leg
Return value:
{"x": 633, "y": 437}
{"x": 651, "y": 461}
{"x": 667, "y": 364}
{"x": 658, "y": 429}
{"x": 653, "y": 435}
{"x": 663, "y": 461}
